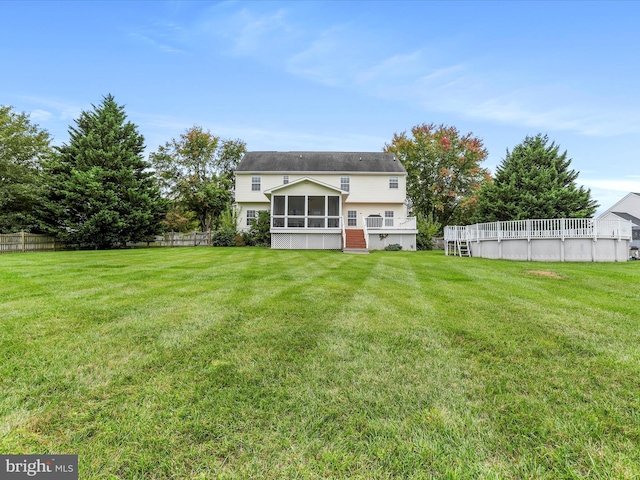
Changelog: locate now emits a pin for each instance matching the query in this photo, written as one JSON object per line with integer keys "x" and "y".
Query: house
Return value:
{"x": 628, "y": 209}
{"x": 327, "y": 200}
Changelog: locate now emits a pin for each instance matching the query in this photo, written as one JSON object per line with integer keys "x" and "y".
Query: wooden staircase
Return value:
{"x": 355, "y": 242}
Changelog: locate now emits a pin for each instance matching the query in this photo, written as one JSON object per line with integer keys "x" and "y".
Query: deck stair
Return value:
{"x": 463, "y": 248}
{"x": 355, "y": 241}
{"x": 458, "y": 247}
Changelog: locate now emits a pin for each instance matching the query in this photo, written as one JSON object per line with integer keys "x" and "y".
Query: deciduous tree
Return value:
{"x": 101, "y": 192}
{"x": 23, "y": 149}
{"x": 197, "y": 173}
{"x": 444, "y": 172}
{"x": 534, "y": 181}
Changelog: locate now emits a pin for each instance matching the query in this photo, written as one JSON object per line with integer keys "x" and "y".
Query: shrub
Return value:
{"x": 223, "y": 238}
{"x": 394, "y": 247}
{"x": 247, "y": 239}
{"x": 229, "y": 219}
{"x": 260, "y": 230}
{"x": 427, "y": 229}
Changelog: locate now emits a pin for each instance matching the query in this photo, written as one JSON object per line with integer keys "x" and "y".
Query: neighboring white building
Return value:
{"x": 628, "y": 209}
{"x": 327, "y": 200}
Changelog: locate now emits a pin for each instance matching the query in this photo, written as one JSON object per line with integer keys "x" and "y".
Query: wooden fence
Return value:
{"x": 174, "y": 239}
{"x": 27, "y": 242}
{"x": 31, "y": 242}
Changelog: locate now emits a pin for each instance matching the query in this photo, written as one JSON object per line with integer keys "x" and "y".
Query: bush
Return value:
{"x": 261, "y": 229}
{"x": 247, "y": 239}
{"x": 427, "y": 229}
{"x": 223, "y": 238}
{"x": 228, "y": 219}
{"x": 394, "y": 247}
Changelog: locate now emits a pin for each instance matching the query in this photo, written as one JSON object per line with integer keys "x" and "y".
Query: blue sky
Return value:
{"x": 341, "y": 76}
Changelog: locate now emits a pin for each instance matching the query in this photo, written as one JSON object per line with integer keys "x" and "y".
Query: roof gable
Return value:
{"x": 630, "y": 203}
{"x": 304, "y": 180}
{"x": 628, "y": 216}
{"x": 352, "y": 162}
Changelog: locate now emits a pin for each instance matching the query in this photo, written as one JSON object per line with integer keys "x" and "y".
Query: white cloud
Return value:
{"x": 245, "y": 32}
{"x": 148, "y": 40}
{"x": 608, "y": 192}
{"x": 39, "y": 115}
{"x": 622, "y": 185}
{"x": 326, "y": 60}
{"x": 348, "y": 56}
{"x": 58, "y": 109}
{"x": 257, "y": 30}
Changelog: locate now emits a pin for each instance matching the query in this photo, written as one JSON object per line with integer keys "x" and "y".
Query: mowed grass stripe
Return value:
{"x": 240, "y": 363}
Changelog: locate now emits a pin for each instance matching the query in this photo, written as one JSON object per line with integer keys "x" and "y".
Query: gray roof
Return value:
{"x": 627, "y": 216}
{"x": 374, "y": 162}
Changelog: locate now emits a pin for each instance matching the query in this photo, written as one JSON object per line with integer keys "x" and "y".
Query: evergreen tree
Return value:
{"x": 534, "y": 181}
{"x": 23, "y": 148}
{"x": 101, "y": 194}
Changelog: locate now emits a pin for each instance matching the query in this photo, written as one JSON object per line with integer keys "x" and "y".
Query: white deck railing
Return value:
{"x": 546, "y": 228}
{"x": 306, "y": 221}
{"x": 389, "y": 223}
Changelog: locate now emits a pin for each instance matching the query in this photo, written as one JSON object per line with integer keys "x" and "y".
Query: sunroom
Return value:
{"x": 306, "y": 213}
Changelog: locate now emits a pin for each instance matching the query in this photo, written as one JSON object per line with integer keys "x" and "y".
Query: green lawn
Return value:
{"x": 251, "y": 363}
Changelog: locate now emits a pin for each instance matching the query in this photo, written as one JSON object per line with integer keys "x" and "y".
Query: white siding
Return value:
{"x": 406, "y": 240}
{"x": 364, "y": 187}
{"x": 629, "y": 204}
{"x": 242, "y": 218}
{"x": 366, "y": 209}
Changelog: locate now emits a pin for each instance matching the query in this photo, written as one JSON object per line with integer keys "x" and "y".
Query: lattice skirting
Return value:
{"x": 307, "y": 241}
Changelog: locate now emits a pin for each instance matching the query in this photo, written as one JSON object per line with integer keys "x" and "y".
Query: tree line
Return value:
{"x": 98, "y": 190}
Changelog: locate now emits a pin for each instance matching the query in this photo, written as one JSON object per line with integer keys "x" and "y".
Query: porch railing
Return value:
{"x": 308, "y": 221}
{"x": 390, "y": 223}
{"x": 365, "y": 230}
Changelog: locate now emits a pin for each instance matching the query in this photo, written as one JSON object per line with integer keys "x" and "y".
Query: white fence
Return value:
{"x": 559, "y": 239}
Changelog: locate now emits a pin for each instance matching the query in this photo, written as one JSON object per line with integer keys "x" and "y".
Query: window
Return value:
{"x": 296, "y": 206}
{"x": 393, "y": 182}
{"x": 352, "y": 218}
{"x": 315, "y": 206}
{"x": 333, "y": 206}
{"x": 251, "y": 217}
{"x": 344, "y": 183}
{"x": 306, "y": 211}
{"x": 255, "y": 184}
{"x": 278, "y": 204}
{"x": 388, "y": 218}
{"x": 285, "y": 179}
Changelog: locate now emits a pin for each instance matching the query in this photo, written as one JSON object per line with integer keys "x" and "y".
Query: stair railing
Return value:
{"x": 366, "y": 231}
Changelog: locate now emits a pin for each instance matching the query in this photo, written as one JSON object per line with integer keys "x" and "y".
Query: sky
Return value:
{"x": 341, "y": 75}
